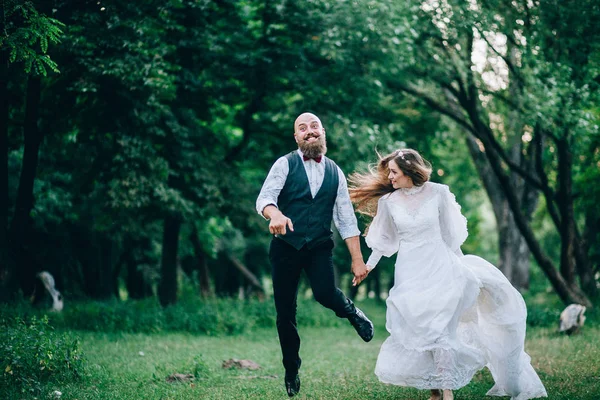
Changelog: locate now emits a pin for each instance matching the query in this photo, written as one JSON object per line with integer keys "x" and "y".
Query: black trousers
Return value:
{"x": 287, "y": 263}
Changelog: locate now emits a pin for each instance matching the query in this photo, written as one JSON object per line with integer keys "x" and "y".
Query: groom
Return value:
{"x": 303, "y": 192}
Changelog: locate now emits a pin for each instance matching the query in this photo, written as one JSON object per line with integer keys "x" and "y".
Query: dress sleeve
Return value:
{"x": 383, "y": 236}
{"x": 453, "y": 224}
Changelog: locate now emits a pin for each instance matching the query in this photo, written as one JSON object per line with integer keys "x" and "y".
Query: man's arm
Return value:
{"x": 359, "y": 269}
{"x": 346, "y": 224}
{"x": 343, "y": 212}
{"x": 269, "y": 193}
{"x": 266, "y": 203}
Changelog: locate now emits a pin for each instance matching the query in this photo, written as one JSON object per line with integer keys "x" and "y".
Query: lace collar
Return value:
{"x": 412, "y": 190}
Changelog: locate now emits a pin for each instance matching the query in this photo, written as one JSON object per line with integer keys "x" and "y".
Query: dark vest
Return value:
{"x": 311, "y": 217}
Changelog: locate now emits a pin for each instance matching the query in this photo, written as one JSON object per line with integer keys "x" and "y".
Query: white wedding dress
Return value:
{"x": 448, "y": 315}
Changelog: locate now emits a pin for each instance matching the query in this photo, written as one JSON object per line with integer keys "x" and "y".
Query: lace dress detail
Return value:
{"x": 448, "y": 315}
{"x": 411, "y": 190}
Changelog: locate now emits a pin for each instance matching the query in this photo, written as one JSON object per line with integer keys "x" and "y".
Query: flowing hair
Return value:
{"x": 366, "y": 188}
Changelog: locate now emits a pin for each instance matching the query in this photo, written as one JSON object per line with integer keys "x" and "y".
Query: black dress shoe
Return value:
{"x": 361, "y": 323}
{"x": 292, "y": 385}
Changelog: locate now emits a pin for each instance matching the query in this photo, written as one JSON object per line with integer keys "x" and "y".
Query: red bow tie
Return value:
{"x": 317, "y": 158}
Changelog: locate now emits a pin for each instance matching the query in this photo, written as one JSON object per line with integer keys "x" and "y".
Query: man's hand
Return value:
{"x": 360, "y": 271}
{"x": 278, "y": 222}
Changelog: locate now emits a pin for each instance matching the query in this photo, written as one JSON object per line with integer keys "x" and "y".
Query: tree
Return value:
{"x": 25, "y": 37}
{"x": 166, "y": 116}
{"x": 528, "y": 82}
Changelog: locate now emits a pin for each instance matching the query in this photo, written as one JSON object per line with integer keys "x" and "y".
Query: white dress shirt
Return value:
{"x": 343, "y": 212}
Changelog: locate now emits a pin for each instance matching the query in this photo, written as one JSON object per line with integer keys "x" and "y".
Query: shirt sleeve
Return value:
{"x": 273, "y": 184}
{"x": 382, "y": 237}
{"x": 343, "y": 212}
{"x": 453, "y": 224}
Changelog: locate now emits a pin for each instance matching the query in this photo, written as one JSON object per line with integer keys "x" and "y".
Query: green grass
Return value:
{"x": 336, "y": 365}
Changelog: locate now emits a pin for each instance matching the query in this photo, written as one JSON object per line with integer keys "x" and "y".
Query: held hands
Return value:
{"x": 360, "y": 271}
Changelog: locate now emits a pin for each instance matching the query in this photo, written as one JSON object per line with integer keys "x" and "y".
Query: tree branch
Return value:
{"x": 433, "y": 104}
{"x": 504, "y": 99}
{"x": 568, "y": 293}
{"x": 509, "y": 63}
{"x": 245, "y": 272}
{"x": 484, "y": 133}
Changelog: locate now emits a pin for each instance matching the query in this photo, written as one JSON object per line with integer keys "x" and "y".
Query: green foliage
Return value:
{"x": 212, "y": 317}
{"x": 543, "y": 308}
{"x": 547, "y": 317}
{"x": 33, "y": 355}
{"x": 336, "y": 364}
{"x": 27, "y": 36}
{"x": 198, "y": 367}
{"x": 180, "y": 107}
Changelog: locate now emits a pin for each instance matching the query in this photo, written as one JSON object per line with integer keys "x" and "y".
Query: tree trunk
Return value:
{"x": 591, "y": 234}
{"x": 202, "y": 264}
{"x": 574, "y": 258}
{"x": 7, "y": 282}
{"x": 585, "y": 268}
{"x": 167, "y": 288}
{"x": 226, "y": 276}
{"x": 517, "y": 254}
{"x": 472, "y": 116}
{"x": 513, "y": 257}
{"x": 133, "y": 257}
{"x": 246, "y": 273}
{"x": 136, "y": 283}
{"x": 107, "y": 282}
{"x": 95, "y": 255}
{"x": 513, "y": 253}
{"x": 514, "y": 250}
{"x": 565, "y": 206}
{"x": 4, "y": 146}
{"x": 469, "y": 101}
{"x": 568, "y": 293}
{"x": 21, "y": 222}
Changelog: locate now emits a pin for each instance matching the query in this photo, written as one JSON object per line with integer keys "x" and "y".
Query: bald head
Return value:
{"x": 310, "y": 135}
{"x": 306, "y": 118}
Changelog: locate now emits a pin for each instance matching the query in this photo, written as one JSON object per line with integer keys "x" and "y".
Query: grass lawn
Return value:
{"x": 336, "y": 365}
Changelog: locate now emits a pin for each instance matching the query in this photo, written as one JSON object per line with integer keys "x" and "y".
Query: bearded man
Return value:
{"x": 303, "y": 192}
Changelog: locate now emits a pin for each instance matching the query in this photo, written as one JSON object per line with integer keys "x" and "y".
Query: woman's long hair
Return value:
{"x": 366, "y": 189}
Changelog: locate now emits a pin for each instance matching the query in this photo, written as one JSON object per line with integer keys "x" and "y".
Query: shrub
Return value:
{"x": 198, "y": 367}
{"x": 220, "y": 316}
{"x": 543, "y": 316}
{"x": 32, "y": 355}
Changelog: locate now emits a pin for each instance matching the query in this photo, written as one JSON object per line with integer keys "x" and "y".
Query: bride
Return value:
{"x": 448, "y": 315}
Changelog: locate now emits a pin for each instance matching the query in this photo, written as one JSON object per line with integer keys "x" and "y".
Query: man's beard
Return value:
{"x": 314, "y": 149}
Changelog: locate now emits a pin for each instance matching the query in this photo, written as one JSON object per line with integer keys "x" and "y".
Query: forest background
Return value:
{"x": 135, "y": 137}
